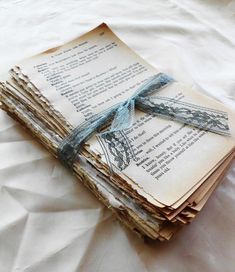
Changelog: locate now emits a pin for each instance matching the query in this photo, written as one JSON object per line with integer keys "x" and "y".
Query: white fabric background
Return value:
{"x": 49, "y": 222}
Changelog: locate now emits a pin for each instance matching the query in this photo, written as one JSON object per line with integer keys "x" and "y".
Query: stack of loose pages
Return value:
{"x": 176, "y": 166}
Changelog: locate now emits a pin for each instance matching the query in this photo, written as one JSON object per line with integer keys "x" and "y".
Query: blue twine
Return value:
{"x": 121, "y": 117}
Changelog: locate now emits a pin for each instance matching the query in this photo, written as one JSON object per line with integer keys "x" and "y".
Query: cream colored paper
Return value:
{"x": 97, "y": 71}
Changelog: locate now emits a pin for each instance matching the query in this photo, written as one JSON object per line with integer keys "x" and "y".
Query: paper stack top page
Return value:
{"x": 176, "y": 166}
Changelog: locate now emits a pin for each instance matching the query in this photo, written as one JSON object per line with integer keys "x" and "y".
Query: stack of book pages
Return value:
{"x": 175, "y": 167}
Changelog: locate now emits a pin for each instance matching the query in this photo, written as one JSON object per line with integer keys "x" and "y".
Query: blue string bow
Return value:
{"x": 114, "y": 140}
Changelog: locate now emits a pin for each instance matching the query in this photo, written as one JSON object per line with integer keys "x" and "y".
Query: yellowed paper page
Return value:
{"x": 97, "y": 71}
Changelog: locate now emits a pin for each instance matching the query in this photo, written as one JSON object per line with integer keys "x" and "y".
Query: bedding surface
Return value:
{"x": 49, "y": 222}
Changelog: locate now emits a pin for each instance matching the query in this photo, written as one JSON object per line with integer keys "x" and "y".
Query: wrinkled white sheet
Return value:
{"x": 49, "y": 222}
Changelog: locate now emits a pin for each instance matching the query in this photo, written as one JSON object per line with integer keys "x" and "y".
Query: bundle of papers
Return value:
{"x": 176, "y": 167}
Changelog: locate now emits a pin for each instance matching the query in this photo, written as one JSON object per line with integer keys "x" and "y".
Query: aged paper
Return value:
{"x": 97, "y": 71}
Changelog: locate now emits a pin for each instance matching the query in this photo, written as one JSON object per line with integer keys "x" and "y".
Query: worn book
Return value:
{"x": 151, "y": 148}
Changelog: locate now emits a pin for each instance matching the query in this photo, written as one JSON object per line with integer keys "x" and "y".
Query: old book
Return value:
{"x": 156, "y": 174}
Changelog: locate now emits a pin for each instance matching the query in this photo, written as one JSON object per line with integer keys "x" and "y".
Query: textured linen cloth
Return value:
{"x": 48, "y": 221}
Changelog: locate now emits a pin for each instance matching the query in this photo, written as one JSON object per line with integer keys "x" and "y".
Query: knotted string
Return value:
{"x": 115, "y": 142}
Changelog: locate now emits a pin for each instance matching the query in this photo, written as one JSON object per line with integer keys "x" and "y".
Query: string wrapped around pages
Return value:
{"x": 114, "y": 141}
